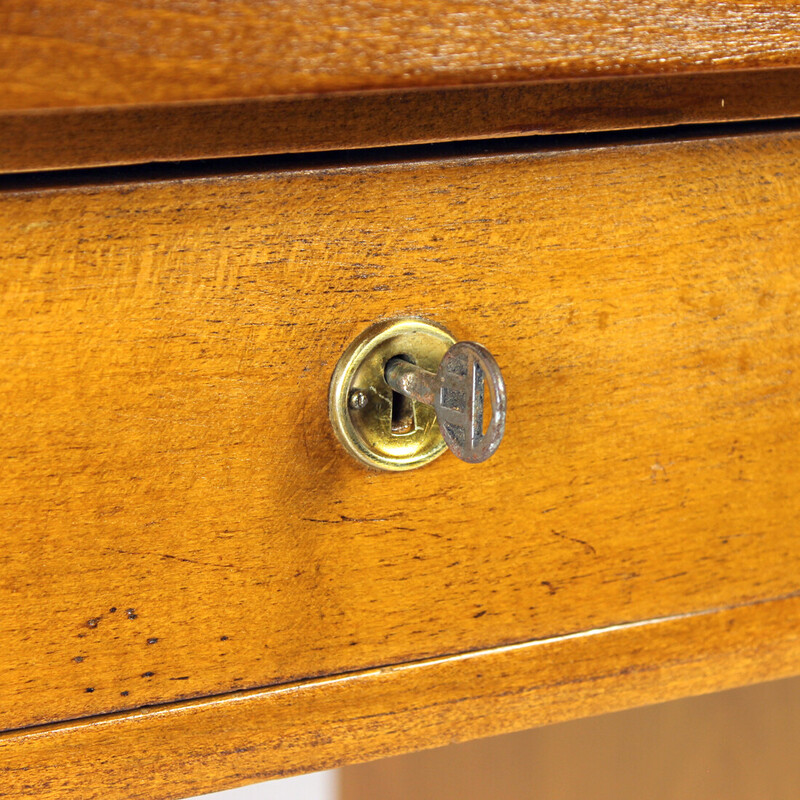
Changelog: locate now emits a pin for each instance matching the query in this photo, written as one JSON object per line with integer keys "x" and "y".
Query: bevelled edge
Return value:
{"x": 216, "y": 743}
{"x": 161, "y": 134}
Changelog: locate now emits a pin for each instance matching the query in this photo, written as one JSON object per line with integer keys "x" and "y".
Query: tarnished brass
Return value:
{"x": 360, "y": 402}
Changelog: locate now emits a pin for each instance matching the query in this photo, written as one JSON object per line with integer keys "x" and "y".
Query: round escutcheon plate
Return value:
{"x": 364, "y": 410}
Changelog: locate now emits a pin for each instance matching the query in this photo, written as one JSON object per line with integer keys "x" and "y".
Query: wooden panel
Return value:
{"x": 81, "y": 137}
{"x": 177, "y": 518}
{"x": 89, "y": 53}
{"x": 187, "y": 749}
{"x": 737, "y": 745}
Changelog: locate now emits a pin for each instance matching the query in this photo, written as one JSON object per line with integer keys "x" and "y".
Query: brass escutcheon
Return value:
{"x": 360, "y": 401}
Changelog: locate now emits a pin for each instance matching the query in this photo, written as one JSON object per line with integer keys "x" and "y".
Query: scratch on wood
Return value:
{"x": 588, "y": 549}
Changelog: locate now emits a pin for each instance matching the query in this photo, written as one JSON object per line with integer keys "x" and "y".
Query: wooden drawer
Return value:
{"x": 178, "y": 520}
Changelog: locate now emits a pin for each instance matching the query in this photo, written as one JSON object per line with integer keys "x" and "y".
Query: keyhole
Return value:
{"x": 403, "y": 419}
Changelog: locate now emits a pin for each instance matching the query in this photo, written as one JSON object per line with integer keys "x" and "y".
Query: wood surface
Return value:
{"x": 192, "y": 748}
{"x": 177, "y": 520}
{"x": 72, "y": 53}
{"x": 736, "y": 745}
{"x": 80, "y": 137}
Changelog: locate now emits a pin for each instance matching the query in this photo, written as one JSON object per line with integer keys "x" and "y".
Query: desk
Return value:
{"x": 199, "y": 587}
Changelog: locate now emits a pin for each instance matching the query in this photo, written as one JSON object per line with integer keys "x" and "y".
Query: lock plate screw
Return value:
{"x": 357, "y": 400}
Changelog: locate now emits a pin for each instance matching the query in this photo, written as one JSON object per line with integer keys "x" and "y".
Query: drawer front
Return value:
{"x": 178, "y": 519}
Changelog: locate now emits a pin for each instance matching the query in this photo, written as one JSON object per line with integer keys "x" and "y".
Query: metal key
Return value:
{"x": 456, "y": 391}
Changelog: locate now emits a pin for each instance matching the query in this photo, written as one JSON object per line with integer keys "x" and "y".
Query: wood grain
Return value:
{"x": 177, "y": 518}
{"x": 81, "y": 137}
{"x": 738, "y": 745}
{"x": 92, "y": 53}
{"x": 192, "y": 748}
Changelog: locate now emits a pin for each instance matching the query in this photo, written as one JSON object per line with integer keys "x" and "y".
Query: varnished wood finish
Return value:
{"x": 194, "y": 748}
{"x": 178, "y": 520}
{"x": 736, "y": 745}
{"x": 59, "y": 53}
{"x": 83, "y": 137}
